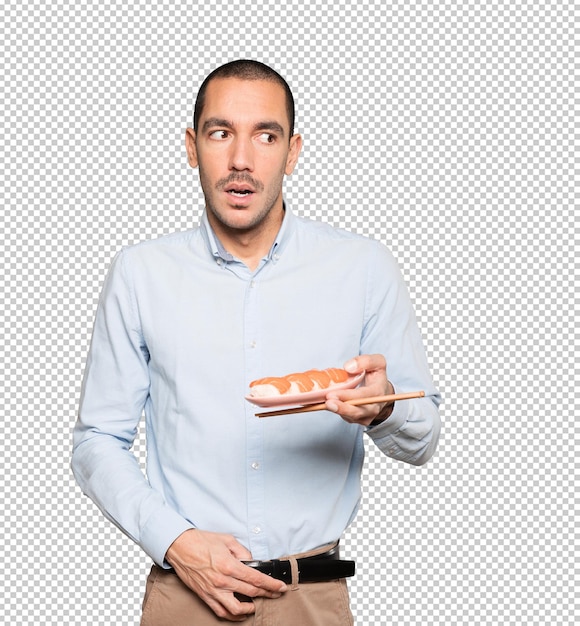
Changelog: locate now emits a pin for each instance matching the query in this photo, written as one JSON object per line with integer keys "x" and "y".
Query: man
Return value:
{"x": 184, "y": 324}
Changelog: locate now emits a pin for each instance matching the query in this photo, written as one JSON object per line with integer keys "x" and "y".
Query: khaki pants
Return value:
{"x": 168, "y": 602}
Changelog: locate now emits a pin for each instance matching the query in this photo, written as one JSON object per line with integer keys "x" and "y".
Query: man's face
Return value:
{"x": 243, "y": 150}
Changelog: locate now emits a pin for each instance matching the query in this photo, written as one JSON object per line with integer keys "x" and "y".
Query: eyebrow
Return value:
{"x": 265, "y": 125}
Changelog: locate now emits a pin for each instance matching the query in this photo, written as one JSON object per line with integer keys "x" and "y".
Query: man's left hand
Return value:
{"x": 375, "y": 383}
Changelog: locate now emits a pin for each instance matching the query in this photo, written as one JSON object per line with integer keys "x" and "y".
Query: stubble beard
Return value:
{"x": 259, "y": 219}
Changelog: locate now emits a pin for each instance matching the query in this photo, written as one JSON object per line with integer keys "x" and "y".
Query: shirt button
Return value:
{"x": 252, "y": 284}
{"x": 255, "y": 465}
{"x": 253, "y": 344}
{"x": 219, "y": 261}
{"x": 256, "y": 530}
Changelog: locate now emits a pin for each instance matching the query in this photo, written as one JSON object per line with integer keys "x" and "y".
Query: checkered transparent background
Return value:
{"x": 444, "y": 129}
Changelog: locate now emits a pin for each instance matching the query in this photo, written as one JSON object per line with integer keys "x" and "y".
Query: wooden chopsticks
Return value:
{"x": 357, "y": 402}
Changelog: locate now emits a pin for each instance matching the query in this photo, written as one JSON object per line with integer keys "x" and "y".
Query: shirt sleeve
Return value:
{"x": 114, "y": 392}
{"x": 411, "y": 432}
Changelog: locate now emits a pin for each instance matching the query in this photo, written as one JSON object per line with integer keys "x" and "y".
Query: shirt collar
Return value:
{"x": 217, "y": 250}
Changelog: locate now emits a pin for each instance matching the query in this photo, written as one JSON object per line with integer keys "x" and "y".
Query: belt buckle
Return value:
{"x": 276, "y": 568}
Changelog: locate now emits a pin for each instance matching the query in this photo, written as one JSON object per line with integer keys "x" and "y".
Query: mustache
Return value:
{"x": 222, "y": 183}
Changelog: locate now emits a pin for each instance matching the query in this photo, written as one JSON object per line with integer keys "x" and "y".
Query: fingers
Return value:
{"x": 375, "y": 384}
{"x": 363, "y": 415}
{"x": 218, "y": 591}
{"x": 230, "y": 608}
{"x": 210, "y": 564}
{"x": 251, "y": 582}
{"x": 366, "y": 363}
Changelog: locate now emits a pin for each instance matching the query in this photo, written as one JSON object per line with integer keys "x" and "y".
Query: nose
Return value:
{"x": 241, "y": 155}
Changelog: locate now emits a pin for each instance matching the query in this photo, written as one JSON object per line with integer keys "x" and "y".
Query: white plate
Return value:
{"x": 307, "y": 397}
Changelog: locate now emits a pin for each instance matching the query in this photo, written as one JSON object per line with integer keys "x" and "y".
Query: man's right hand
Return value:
{"x": 209, "y": 564}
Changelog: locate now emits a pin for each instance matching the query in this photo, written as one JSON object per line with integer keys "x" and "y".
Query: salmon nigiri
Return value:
{"x": 300, "y": 382}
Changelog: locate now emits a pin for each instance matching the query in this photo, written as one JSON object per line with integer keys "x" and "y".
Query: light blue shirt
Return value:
{"x": 181, "y": 329}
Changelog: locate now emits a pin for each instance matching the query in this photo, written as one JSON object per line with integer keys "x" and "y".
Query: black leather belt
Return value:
{"x": 317, "y": 568}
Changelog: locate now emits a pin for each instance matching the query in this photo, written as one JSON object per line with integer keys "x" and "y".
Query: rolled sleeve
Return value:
{"x": 411, "y": 432}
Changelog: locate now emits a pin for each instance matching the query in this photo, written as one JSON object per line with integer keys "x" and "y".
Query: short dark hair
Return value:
{"x": 244, "y": 69}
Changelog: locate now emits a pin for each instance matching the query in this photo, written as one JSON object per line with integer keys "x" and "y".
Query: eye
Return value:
{"x": 219, "y": 134}
{"x": 267, "y": 138}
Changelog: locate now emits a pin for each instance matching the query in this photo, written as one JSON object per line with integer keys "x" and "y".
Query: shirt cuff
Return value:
{"x": 392, "y": 424}
{"x": 160, "y": 531}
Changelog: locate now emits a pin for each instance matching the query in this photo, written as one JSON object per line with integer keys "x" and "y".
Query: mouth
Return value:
{"x": 239, "y": 191}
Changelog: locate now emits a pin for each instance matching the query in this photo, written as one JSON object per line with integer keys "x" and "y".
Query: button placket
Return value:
{"x": 254, "y": 440}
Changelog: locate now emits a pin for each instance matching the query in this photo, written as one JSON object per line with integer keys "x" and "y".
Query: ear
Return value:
{"x": 190, "y": 147}
{"x": 293, "y": 153}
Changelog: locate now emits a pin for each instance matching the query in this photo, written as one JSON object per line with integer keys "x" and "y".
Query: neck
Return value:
{"x": 249, "y": 245}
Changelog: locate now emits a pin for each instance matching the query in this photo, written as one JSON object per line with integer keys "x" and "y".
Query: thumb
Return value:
{"x": 239, "y": 551}
{"x": 352, "y": 366}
